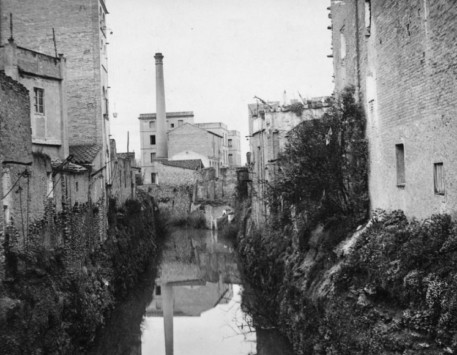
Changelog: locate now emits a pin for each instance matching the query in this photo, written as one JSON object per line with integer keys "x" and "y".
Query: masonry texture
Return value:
{"x": 15, "y": 145}
{"x": 80, "y": 35}
{"x": 401, "y": 57}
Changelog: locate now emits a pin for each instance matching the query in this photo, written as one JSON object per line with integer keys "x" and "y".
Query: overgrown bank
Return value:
{"x": 50, "y": 308}
{"x": 333, "y": 282}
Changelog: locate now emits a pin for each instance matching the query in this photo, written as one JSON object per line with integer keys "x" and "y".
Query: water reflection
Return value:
{"x": 195, "y": 276}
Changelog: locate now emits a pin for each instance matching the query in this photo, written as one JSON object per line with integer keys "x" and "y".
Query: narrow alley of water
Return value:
{"x": 189, "y": 304}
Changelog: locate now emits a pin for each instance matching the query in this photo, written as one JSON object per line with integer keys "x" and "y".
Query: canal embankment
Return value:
{"x": 49, "y": 307}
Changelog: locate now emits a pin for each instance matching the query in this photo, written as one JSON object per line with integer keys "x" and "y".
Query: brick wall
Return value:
{"x": 407, "y": 80}
{"x": 188, "y": 137}
{"x": 78, "y": 36}
{"x": 15, "y": 145}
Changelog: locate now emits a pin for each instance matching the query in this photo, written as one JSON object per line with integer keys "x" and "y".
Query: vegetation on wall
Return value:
{"x": 49, "y": 307}
{"x": 323, "y": 174}
{"x": 388, "y": 287}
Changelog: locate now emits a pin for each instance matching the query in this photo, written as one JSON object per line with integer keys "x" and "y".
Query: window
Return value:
{"x": 153, "y": 157}
{"x": 152, "y": 124}
{"x": 172, "y": 125}
{"x": 230, "y": 159}
{"x": 230, "y": 143}
{"x": 50, "y": 186}
{"x": 153, "y": 178}
{"x": 77, "y": 186}
{"x": 158, "y": 290}
{"x": 152, "y": 140}
{"x": 342, "y": 45}
{"x": 180, "y": 123}
{"x": 38, "y": 100}
{"x": 400, "y": 152}
{"x": 438, "y": 177}
{"x": 367, "y": 18}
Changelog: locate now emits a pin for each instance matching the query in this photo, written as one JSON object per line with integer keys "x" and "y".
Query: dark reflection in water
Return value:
{"x": 122, "y": 334}
{"x": 189, "y": 301}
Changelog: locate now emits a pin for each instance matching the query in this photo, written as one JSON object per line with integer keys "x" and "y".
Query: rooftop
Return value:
{"x": 191, "y": 164}
{"x": 85, "y": 154}
{"x": 149, "y": 116}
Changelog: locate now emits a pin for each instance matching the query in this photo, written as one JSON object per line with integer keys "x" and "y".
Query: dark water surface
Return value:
{"x": 188, "y": 305}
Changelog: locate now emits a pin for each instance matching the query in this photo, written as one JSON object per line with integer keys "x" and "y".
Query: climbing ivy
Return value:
{"x": 323, "y": 173}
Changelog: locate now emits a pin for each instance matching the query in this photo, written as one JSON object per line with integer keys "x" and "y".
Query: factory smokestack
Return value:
{"x": 161, "y": 138}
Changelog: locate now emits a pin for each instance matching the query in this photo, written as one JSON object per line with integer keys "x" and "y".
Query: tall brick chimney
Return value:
{"x": 161, "y": 138}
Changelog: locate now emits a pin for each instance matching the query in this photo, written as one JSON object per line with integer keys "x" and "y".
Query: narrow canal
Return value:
{"x": 190, "y": 304}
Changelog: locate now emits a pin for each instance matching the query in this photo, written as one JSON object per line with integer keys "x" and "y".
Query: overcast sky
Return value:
{"x": 219, "y": 54}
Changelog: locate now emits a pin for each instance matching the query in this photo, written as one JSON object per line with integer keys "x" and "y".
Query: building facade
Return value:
{"x": 400, "y": 56}
{"x": 195, "y": 140}
{"x": 234, "y": 148}
{"x": 76, "y": 28}
{"x": 45, "y": 78}
{"x": 269, "y": 125}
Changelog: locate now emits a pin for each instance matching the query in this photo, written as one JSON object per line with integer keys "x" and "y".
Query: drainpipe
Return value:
{"x": 357, "y": 50}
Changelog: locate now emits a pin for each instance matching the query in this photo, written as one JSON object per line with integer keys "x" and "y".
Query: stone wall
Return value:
{"x": 15, "y": 147}
{"x": 208, "y": 187}
{"x": 403, "y": 64}
{"x": 175, "y": 199}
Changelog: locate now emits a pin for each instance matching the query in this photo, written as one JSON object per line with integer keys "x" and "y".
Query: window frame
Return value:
{"x": 400, "y": 165}
{"x": 38, "y": 95}
{"x": 438, "y": 181}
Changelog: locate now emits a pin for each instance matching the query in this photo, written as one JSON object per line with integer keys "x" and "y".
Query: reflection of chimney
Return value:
{"x": 168, "y": 300}
{"x": 161, "y": 138}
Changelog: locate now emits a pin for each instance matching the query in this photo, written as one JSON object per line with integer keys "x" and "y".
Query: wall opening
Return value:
{"x": 400, "y": 153}
{"x": 438, "y": 178}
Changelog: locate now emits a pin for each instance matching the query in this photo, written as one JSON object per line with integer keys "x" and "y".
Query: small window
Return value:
{"x": 38, "y": 100}
{"x": 230, "y": 143}
{"x": 367, "y": 18}
{"x": 50, "y": 186}
{"x": 158, "y": 290}
{"x": 342, "y": 45}
{"x": 77, "y": 186}
{"x": 153, "y": 178}
{"x": 438, "y": 177}
{"x": 230, "y": 159}
{"x": 152, "y": 124}
{"x": 400, "y": 152}
{"x": 152, "y": 140}
{"x": 371, "y": 106}
{"x": 172, "y": 125}
{"x": 153, "y": 157}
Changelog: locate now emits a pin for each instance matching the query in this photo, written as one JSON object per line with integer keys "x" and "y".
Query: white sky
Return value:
{"x": 219, "y": 54}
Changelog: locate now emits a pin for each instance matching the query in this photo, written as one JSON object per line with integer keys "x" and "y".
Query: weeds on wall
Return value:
{"x": 52, "y": 307}
{"x": 322, "y": 177}
{"x": 391, "y": 291}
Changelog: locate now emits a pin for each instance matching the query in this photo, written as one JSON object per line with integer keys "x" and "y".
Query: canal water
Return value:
{"x": 189, "y": 305}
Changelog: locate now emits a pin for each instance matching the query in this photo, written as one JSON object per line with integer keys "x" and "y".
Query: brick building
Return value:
{"x": 44, "y": 77}
{"x": 15, "y": 152}
{"x": 269, "y": 124}
{"x": 81, "y": 35}
{"x": 401, "y": 58}
{"x": 192, "y": 147}
{"x": 234, "y": 148}
{"x": 231, "y": 148}
{"x": 192, "y": 139}
{"x": 148, "y": 133}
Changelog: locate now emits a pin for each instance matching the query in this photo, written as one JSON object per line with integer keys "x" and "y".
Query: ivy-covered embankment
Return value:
{"x": 48, "y": 307}
{"x": 333, "y": 281}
